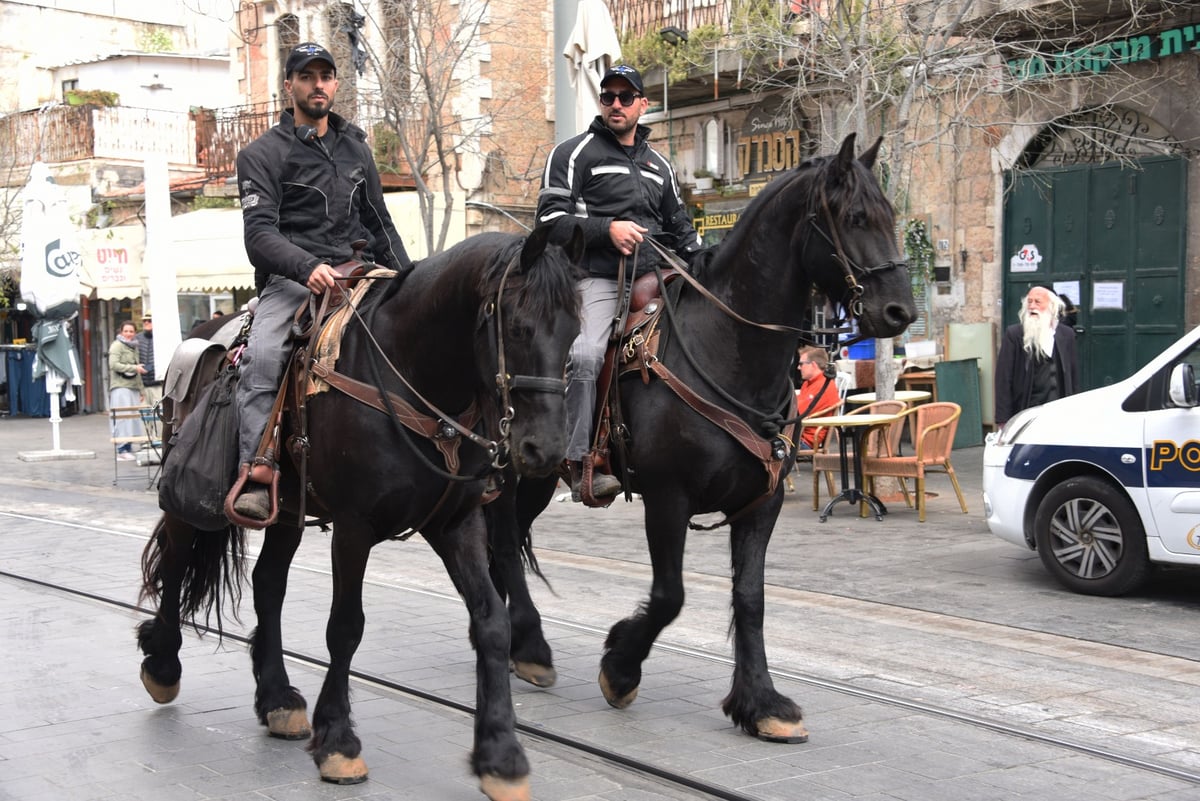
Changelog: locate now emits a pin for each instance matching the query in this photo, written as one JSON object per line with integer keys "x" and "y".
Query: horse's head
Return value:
{"x": 848, "y": 242}
{"x": 532, "y": 318}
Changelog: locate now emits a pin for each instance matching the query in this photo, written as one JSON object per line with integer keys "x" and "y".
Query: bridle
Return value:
{"x": 506, "y": 383}
{"x": 852, "y": 301}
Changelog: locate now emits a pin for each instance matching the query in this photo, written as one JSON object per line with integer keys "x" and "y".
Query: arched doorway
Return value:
{"x": 1097, "y": 209}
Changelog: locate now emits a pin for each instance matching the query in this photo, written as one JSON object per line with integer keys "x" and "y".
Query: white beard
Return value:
{"x": 1038, "y": 333}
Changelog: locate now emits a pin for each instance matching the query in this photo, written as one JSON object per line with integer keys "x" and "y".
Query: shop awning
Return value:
{"x": 206, "y": 245}
{"x": 209, "y": 251}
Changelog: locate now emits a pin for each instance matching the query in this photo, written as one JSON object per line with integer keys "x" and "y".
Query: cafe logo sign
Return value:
{"x": 772, "y": 141}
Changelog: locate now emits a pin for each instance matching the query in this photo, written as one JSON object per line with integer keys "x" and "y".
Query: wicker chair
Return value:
{"x": 933, "y": 429}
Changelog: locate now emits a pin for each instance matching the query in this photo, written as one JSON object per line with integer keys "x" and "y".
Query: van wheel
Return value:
{"x": 1090, "y": 538}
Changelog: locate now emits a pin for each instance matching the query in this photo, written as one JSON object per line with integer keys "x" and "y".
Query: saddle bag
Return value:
{"x": 200, "y": 464}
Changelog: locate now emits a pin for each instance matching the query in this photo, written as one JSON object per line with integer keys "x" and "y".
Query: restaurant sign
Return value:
{"x": 772, "y": 141}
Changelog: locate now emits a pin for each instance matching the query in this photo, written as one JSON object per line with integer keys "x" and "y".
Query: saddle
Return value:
{"x": 640, "y": 335}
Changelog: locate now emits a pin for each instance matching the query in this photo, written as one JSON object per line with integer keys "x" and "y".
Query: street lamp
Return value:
{"x": 674, "y": 36}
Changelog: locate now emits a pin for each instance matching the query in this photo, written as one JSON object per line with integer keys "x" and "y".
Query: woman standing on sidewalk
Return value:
{"x": 125, "y": 383}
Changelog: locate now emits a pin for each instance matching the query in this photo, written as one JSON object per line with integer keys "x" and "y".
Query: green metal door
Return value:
{"x": 1119, "y": 233}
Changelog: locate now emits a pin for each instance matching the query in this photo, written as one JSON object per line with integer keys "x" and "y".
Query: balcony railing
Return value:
{"x": 75, "y": 133}
{"x": 640, "y": 17}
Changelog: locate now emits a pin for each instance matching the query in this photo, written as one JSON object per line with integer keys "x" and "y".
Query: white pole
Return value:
{"x": 54, "y": 389}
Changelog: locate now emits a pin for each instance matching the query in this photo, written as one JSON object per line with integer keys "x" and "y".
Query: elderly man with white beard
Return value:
{"x": 1037, "y": 362}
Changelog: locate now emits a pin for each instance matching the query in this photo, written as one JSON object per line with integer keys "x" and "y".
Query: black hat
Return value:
{"x": 303, "y": 54}
{"x": 628, "y": 73}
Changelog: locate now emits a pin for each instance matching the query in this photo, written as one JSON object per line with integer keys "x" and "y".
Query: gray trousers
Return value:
{"x": 599, "y": 303}
{"x": 265, "y": 358}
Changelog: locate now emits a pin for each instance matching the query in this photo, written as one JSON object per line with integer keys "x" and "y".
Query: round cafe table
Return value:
{"x": 905, "y": 396}
{"x": 856, "y": 426}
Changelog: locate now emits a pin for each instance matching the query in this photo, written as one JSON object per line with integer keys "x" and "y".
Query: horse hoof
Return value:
{"x": 288, "y": 724}
{"x": 339, "y": 769}
{"x": 774, "y": 730}
{"x": 610, "y": 695}
{"x": 500, "y": 789}
{"x": 160, "y": 694}
{"x": 535, "y": 674}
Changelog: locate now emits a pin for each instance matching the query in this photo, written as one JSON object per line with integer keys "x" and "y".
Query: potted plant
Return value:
{"x": 703, "y": 178}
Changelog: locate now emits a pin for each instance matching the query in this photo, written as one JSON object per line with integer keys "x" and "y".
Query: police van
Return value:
{"x": 1106, "y": 483}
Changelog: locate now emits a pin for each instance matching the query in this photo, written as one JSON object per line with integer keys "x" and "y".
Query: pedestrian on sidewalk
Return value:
{"x": 125, "y": 372}
{"x": 151, "y": 386}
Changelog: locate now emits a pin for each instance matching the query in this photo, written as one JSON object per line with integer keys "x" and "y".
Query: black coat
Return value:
{"x": 302, "y": 206}
{"x": 591, "y": 180}
{"x": 1014, "y": 379}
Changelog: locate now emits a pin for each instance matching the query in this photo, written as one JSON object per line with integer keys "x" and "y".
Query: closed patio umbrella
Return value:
{"x": 591, "y": 49}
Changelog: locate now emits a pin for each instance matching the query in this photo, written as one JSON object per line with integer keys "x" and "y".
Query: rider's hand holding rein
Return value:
{"x": 625, "y": 235}
{"x": 322, "y": 278}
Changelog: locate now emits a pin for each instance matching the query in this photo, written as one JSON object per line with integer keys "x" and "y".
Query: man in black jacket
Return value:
{"x": 1037, "y": 361}
{"x": 151, "y": 385}
{"x": 309, "y": 188}
{"x": 611, "y": 183}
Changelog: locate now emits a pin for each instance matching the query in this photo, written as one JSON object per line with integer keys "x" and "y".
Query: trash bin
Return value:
{"x": 958, "y": 382}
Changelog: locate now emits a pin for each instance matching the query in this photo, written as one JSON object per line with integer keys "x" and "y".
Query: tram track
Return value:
{"x": 915, "y": 705}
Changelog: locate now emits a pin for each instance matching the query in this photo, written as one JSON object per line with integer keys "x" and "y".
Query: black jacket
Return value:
{"x": 1014, "y": 379}
{"x": 303, "y": 206}
{"x": 591, "y": 180}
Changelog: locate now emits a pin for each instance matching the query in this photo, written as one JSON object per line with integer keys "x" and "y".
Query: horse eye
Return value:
{"x": 520, "y": 332}
{"x": 858, "y": 218}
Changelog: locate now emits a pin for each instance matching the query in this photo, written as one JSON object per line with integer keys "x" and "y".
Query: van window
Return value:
{"x": 1152, "y": 395}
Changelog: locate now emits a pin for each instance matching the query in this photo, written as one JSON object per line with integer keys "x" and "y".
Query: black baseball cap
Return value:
{"x": 303, "y": 54}
{"x": 628, "y": 73}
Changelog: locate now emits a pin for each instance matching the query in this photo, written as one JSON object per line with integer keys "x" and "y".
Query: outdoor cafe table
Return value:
{"x": 906, "y": 396}
{"x": 854, "y": 426}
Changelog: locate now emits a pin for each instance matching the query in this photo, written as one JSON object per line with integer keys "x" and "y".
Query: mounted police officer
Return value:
{"x": 309, "y": 188}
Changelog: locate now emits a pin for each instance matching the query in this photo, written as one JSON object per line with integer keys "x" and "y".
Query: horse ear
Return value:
{"x": 845, "y": 156}
{"x": 868, "y": 158}
{"x": 535, "y": 243}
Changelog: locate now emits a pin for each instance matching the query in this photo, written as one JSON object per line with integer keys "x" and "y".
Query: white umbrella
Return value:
{"x": 591, "y": 49}
{"x": 50, "y": 262}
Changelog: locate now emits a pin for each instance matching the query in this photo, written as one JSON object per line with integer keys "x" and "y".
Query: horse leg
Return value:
{"x": 280, "y": 706}
{"x": 509, "y": 519}
{"x": 497, "y": 758}
{"x": 164, "y": 562}
{"x": 335, "y": 747}
{"x": 753, "y": 703}
{"x": 629, "y": 640}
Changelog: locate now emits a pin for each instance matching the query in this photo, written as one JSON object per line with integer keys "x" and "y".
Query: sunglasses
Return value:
{"x": 627, "y": 97}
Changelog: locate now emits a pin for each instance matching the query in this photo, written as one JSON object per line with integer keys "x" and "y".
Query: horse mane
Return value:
{"x": 855, "y": 190}
{"x": 541, "y": 292}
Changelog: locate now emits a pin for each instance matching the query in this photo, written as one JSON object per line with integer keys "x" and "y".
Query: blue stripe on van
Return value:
{"x": 1030, "y": 461}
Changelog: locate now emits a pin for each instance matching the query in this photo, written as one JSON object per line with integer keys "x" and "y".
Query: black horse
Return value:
{"x": 479, "y": 331}
{"x": 825, "y": 224}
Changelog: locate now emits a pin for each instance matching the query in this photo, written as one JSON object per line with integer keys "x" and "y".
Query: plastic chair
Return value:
{"x": 933, "y": 429}
{"x": 827, "y": 459}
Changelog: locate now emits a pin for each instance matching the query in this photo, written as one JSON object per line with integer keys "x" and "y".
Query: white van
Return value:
{"x": 1104, "y": 483}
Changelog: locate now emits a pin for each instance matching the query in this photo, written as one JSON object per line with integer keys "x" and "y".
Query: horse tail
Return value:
{"x": 206, "y": 568}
